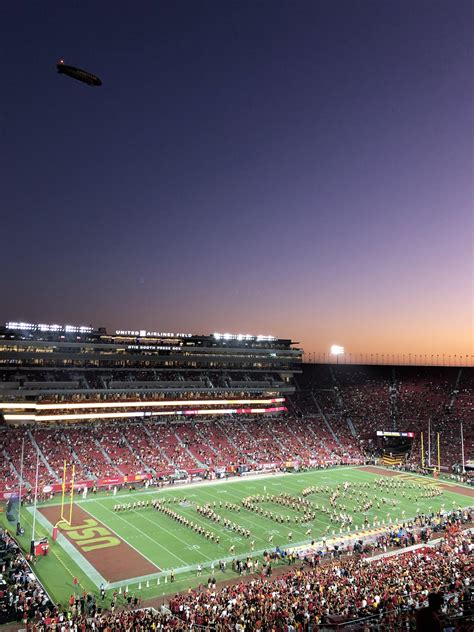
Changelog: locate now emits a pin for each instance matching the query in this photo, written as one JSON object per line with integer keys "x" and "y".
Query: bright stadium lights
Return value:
{"x": 74, "y": 417}
{"x": 20, "y": 326}
{"x": 19, "y": 406}
{"x": 53, "y": 328}
{"x": 241, "y": 337}
{"x": 337, "y": 350}
{"x": 68, "y": 329}
{"x": 131, "y": 404}
{"x": 138, "y": 414}
{"x": 144, "y": 333}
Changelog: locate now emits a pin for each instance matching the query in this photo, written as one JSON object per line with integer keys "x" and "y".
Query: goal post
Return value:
{"x": 436, "y": 469}
{"x": 67, "y": 497}
{"x": 422, "y": 452}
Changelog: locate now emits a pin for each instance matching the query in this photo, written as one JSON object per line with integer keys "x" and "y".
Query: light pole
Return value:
{"x": 337, "y": 350}
{"x": 429, "y": 442}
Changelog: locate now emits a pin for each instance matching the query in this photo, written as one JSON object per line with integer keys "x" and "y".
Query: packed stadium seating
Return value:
{"x": 358, "y": 401}
{"x": 332, "y": 418}
{"x": 80, "y": 444}
{"x": 21, "y": 595}
{"x": 144, "y": 442}
{"x": 105, "y": 450}
{"x": 323, "y": 590}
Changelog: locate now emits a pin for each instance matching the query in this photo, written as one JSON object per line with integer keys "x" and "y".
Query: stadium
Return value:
{"x": 162, "y": 480}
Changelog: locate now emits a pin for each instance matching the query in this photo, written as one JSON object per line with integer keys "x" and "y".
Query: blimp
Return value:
{"x": 78, "y": 74}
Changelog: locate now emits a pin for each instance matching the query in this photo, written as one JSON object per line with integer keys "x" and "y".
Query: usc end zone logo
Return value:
{"x": 89, "y": 536}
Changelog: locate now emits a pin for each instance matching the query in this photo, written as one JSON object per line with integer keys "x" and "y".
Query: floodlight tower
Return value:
{"x": 337, "y": 350}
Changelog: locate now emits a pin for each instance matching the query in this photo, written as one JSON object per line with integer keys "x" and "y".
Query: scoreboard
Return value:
{"x": 390, "y": 433}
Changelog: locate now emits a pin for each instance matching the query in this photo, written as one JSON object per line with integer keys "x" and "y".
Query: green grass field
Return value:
{"x": 170, "y": 545}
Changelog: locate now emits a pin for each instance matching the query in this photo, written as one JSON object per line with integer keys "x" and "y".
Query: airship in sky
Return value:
{"x": 78, "y": 73}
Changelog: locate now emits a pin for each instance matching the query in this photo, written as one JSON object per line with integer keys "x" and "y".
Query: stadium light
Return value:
{"x": 337, "y": 350}
{"x": 43, "y": 327}
{"x": 136, "y": 404}
{"x": 241, "y": 337}
{"x": 140, "y": 414}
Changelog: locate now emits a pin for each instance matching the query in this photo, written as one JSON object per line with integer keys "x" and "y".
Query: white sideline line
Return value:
{"x": 171, "y": 534}
{"x": 71, "y": 550}
{"x": 106, "y": 503}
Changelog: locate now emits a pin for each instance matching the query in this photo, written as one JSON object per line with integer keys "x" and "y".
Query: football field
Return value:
{"x": 180, "y": 530}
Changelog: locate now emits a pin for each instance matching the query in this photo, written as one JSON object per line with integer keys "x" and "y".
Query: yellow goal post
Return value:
{"x": 67, "y": 494}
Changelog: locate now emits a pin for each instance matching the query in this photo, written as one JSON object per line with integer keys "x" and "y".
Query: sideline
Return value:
{"x": 154, "y": 489}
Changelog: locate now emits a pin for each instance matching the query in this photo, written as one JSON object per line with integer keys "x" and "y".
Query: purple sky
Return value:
{"x": 302, "y": 169}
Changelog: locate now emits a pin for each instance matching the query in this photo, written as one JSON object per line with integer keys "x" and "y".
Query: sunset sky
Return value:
{"x": 295, "y": 168}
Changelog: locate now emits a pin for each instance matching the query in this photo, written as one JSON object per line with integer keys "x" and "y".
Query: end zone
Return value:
{"x": 103, "y": 549}
{"x": 462, "y": 490}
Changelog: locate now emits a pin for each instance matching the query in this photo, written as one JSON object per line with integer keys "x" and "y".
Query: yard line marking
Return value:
{"x": 291, "y": 484}
{"x": 140, "y": 531}
{"x": 175, "y": 536}
{"x": 290, "y": 526}
{"x": 223, "y": 531}
{"x": 248, "y": 520}
{"x": 186, "y": 487}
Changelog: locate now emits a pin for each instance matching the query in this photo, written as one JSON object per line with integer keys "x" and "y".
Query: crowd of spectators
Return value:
{"x": 387, "y": 591}
{"x": 21, "y": 595}
{"x": 359, "y": 400}
{"x": 332, "y": 418}
{"x": 119, "y": 448}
